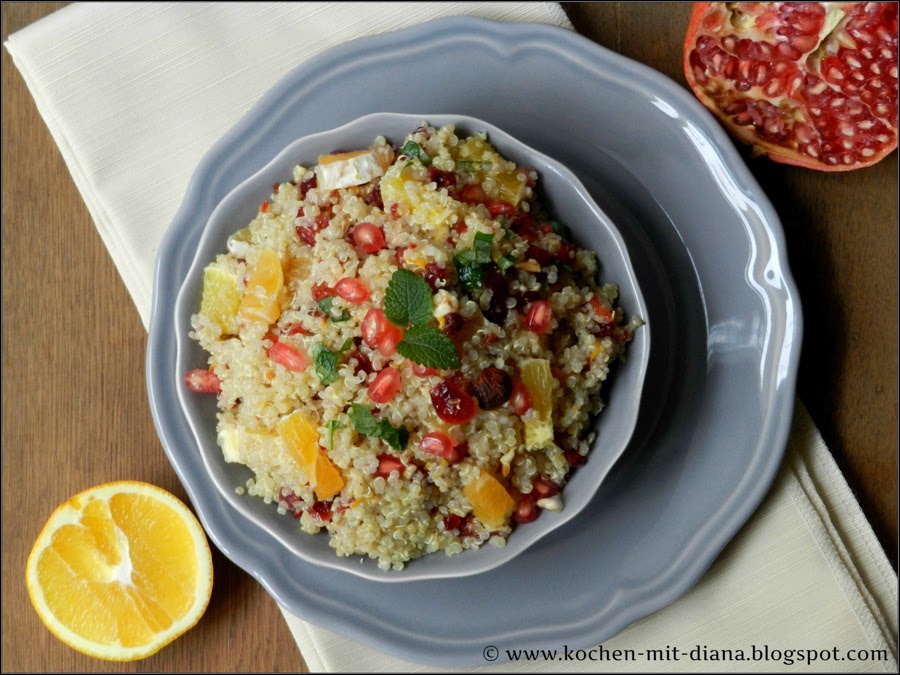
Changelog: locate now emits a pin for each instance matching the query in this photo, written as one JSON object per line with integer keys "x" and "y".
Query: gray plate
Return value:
{"x": 569, "y": 202}
{"x": 710, "y": 258}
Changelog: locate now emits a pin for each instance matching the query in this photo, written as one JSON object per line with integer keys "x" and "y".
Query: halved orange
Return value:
{"x": 120, "y": 570}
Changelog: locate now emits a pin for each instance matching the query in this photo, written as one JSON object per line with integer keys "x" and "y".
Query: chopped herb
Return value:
{"x": 327, "y": 305}
{"x": 470, "y": 166}
{"x": 506, "y": 261}
{"x": 332, "y": 425}
{"x": 469, "y": 263}
{"x": 428, "y": 346}
{"x": 347, "y": 344}
{"x": 326, "y": 364}
{"x": 414, "y": 151}
{"x": 364, "y": 422}
{"x": 407, "y": 299}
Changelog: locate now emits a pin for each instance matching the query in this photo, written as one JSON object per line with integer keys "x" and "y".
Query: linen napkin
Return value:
{"x": 805, "y": 573}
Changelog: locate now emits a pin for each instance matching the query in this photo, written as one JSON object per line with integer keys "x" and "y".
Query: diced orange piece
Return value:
{"x": 302, "y": 440}
{"x": 491, "y": 503}
{"x": 260, "y": 301}
{"x": 329, "y": 481}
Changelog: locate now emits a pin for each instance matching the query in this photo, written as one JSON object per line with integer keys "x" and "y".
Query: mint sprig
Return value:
{"x": 326, "y": 362}
{"x": 414, "y": 151}
{"x": 364, "y": 422}
{"x": 429, "y": 347}
{"x": 407, "y": 299}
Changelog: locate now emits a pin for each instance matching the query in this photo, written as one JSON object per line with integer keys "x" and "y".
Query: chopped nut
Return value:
{"x": 554, "y": 503}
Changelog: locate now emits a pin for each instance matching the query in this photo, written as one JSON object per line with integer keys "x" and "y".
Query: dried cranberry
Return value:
{"x": 307, "y": 236}
{"x": 373, "y": 197}
{"x": 453, "y": 323}
{"x": 452, "y": 522}
{"x": 434, "y": 274}
{"x": 574, "y": 458}
{"x": 500, "y": 209}
{"x": 452, "y": 403}
{"x": 441, "y": 178}
{"x": 306, "y": 186}
{"x": 363, "y": 363}
{"x": 494, "y": 281}
{"x": 492, "y": 388}
{"x": 603, "y": 330}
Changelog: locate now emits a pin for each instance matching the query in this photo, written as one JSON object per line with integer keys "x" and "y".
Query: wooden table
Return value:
{"x": 75, "y": 409}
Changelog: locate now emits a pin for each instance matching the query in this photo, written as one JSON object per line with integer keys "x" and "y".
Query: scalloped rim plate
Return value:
{"x": 709, "y": 255}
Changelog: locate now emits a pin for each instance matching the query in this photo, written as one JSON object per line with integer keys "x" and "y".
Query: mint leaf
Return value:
{"x": 428, "y": 346}
{"x": 407, "y": 299}
{"x": 482, "y": 247}
{"x": 468, "y": 271}
{"x": 362, "y": 419}
{"x": 326, "y": 364}
{"x": 397, "y": 438}
{"x": 506, "y": 261}
{"x": 364, "y": 422}
{"x": 414, "y": 151}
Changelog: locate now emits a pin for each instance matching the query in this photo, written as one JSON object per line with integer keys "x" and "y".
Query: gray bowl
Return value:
{"x": 568, "y": 201}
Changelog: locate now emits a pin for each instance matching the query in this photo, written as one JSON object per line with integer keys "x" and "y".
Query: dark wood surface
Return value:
{"x": 74, "y": 401}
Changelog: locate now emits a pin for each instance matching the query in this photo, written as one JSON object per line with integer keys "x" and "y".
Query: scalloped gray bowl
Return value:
{"x": 569, "y": 202}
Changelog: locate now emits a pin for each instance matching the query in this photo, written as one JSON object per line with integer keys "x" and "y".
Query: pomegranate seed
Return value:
{"x": 368, "y": 237}
{"x": 395, "y": 211}
{"x": 264, "y": 207}
{"x": 602, "y": 313}
{"x": 543, "y": 488}
{"x": 400, "y": 253}
{"x": 527, "y": 510}
{"x": 203, "y": 381}
{"x": 292, "y": 359}
{"x": 321, "y": 291}
{"x": 452, "y": 404}
{"x": 321, "y": 511}
{"x": 352, "y": 290}
{"x": 385, "y": 386}
{"x": 373, "y": 327}
{"x": 421, "y": 371}
{"x": 537, "y": 319}
{"x": 297, "y": 329}
{"x": 472, "y": 194}
{"x": 434, "y": 275}
{"x": 440, "y": 445}
{"x": 388, "y": 464}
{"x": 500, "y": 209}
{"x": 393, "y": 335}
{"x": 520, "y": 401}
{"x": 452, "y": 522}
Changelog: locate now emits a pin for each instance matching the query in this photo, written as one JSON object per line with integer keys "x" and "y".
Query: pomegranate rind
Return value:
{"x": 707, "y": 19}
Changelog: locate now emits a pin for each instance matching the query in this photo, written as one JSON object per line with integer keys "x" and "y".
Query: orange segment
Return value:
{"x": 329, "y": 481}
{"x": 221, "y": 297}
{"x": 536, "y": 375}
{"x": 301, "y": 439}
{"x": 491, "y": 503}
{"x": 120, "y": 570}
{"x": 260, "y": 301}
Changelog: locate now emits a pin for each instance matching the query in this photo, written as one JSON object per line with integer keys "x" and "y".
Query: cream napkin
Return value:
{"x": 805, "y": 573}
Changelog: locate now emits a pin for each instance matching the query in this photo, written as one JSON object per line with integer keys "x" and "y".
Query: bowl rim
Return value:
{"x": 517, "y": 543}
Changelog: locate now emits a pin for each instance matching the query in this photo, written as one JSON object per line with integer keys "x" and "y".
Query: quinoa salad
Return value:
{"x": 406, "y": 349}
